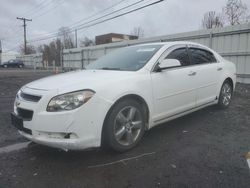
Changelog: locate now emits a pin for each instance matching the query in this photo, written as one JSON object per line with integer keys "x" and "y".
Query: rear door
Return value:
{"x": 207, "y": 74}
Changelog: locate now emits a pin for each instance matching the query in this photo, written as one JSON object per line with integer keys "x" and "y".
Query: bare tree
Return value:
{"x": 66, "y": 37}
{"x": 235, "y": 11}
{"x": 40, "y": 49}
{"x": 138, "y": 31}
{"x": 212, "y": 20}
{"x": 87, "y": 42}
{"x": 30, "y": 49}
{"x": 51, "y": 52}
{"x": 58, "y": 57}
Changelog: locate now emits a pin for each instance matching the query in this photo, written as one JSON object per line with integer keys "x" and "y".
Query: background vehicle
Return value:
{"x": 123, "y": 94}
{"x": 13, "y": 63}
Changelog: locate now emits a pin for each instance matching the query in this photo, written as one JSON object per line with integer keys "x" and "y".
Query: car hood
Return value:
{"x": 76, "y": 80}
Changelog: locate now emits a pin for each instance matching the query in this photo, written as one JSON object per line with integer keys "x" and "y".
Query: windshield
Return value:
{"x": 130, "y": 58}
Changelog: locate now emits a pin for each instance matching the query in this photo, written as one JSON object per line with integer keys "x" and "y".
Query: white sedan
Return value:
{"x": 123, "y": 94}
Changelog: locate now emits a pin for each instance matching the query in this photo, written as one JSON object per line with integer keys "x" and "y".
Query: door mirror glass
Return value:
{"x": 169, "y": 63}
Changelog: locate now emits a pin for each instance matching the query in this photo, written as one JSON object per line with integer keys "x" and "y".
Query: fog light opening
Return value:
{"x": 67, "y": 136}
{"x": 70, "y": 136}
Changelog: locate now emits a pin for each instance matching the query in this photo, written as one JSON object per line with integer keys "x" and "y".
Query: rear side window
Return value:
{"x": 200, "y": 56}
{"x": 180, "y": 54}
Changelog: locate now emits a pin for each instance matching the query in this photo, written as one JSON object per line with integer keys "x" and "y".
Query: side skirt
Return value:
{"x": 169, "y": 118}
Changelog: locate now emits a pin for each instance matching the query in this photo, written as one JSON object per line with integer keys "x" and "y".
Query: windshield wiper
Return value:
{"x": 109, "y": 68}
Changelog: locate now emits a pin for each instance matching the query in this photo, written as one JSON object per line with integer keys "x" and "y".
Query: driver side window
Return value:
{"x": 180, "y": 54}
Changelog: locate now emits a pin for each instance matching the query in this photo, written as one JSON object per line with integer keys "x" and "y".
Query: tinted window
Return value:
{"x": 181, "y": 55}
{"x": 130, "y": 58}
{"x": 200, "y": 56}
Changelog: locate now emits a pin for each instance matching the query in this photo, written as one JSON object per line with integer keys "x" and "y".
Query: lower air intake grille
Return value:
{"x": 25, "y": 114}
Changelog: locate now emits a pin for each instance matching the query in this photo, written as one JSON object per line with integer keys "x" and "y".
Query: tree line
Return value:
{"x": 52, "y": 52}
{"x": 233, "y": 13}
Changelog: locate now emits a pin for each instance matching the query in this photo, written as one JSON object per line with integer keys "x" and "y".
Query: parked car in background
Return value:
{"x": 123, "y": 94}
{"x": 13, "y": 63}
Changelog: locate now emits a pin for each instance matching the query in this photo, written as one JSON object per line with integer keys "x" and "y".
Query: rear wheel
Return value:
{"x": 125, "y": 126}
{"x": 20, "y": 66}
{"x": 5, "y": 66}
{"x": 226, "y": 94}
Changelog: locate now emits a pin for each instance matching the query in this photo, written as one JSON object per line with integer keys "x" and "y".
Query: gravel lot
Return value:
{"x": 204, "y": 149}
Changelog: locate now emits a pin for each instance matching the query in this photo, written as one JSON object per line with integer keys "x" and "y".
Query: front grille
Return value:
{"x": 25, "y": 114}
{"x": 28, "y": 97}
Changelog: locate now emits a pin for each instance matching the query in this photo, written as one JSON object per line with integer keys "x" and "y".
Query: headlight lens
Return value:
{"x": 69, "y": 101}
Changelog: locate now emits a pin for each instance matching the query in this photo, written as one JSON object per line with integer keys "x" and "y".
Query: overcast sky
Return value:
{"x": 170, "y": 16}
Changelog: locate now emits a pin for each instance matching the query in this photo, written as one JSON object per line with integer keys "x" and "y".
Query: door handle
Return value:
{"x": 219, "y": 68}
{"x": 192, "y": 73}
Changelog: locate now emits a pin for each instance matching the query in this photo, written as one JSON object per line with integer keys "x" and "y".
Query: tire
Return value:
{"x": 124, "y": 127}
{"x": 226, "y": 94}
{"x": 5, "y": 66}
{"x": 20, "y": 66}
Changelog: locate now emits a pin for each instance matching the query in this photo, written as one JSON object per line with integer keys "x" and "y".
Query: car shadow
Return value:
{"x": 157, "y": 139}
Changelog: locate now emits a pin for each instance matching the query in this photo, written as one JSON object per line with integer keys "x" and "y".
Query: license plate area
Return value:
{"x": 17, "y": 122}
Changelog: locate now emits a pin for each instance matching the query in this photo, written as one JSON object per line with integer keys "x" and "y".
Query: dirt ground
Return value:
{"x": 204, "y": 149}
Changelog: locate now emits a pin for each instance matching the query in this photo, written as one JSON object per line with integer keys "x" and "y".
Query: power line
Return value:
{"x": 37, "y": 9}
{"x": 40, "y": 6}
{"x": 90, "y": 24}
{"x": 87, "y": 18}
{"x": 95, "y": 14}
{"x": 58, "y": 3}
{"x": 105, "y": 20}
{"x": 52, "y": 35}
{"x": 128, "y": 6}
{"x": 128, "y": 12}
{"x": 56, "y": 31}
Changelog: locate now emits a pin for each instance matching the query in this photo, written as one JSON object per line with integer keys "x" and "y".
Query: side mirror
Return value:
{"x": 169, "y": 63}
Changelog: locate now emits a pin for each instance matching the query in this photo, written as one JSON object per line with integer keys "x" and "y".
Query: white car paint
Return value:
{"x": 168, "y": 94}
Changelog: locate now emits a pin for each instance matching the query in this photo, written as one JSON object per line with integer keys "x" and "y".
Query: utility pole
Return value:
{"x": 76, "y": 37}
{"x": 24, "y": 32}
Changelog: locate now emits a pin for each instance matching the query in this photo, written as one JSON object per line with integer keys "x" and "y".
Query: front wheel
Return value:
{"x": 226, "y": 94}
{"x": 125, "y": 126}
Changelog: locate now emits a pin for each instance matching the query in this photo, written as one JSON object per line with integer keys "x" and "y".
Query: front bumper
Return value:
{"x": 62, "y": 143}
{"x": 69, "y": 130}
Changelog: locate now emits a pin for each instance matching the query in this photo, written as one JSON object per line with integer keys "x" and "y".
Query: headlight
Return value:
{"x": 69, "y": 101}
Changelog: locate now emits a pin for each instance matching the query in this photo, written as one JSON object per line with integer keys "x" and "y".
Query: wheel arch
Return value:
{"x": 230, "y": 80}
{"x": 135, "y": 97}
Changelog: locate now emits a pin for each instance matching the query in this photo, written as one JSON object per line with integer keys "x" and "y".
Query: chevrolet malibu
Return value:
{"x": 123, "y": 94}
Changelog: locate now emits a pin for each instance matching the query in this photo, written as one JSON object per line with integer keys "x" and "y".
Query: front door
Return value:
{"x": 174, "y": 89}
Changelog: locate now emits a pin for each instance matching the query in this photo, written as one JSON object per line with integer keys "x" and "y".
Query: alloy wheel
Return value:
{"x": 127, "y": 125}
{"x": 226, "y": 94}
